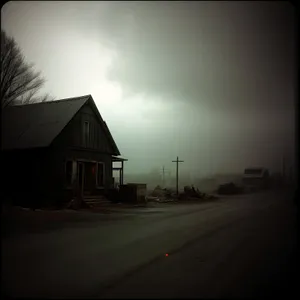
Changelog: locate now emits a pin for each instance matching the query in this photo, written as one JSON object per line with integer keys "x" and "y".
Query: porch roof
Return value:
{"x": 116, "y": 158}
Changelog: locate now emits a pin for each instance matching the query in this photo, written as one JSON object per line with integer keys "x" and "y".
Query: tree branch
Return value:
{"x": 19, "y": 82}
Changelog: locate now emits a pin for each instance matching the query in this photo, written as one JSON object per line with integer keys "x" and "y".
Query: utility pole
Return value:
{"x": 163, "y": 176}
{"x": 177, "y": 161}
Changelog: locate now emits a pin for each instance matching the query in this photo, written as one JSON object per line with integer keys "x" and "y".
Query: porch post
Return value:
{"x": 122, "y": 170}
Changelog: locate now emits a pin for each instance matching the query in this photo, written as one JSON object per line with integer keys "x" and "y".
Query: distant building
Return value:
{"x": 54, "y": 148}
{"x": 256, "y": 178}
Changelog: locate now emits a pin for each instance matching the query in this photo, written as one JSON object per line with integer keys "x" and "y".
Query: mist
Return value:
{"x": 211, "y": 82}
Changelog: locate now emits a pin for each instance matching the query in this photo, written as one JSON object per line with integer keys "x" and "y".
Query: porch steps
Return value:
{"x": 97, "y": 201}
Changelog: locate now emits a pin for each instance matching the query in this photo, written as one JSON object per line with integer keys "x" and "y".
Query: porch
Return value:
{"x": 118, "y": 167}
{"x": 94, "y": 187}
{"x": 92, "y": 177}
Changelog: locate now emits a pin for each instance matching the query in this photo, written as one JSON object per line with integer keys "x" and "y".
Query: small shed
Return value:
{"x": 133, "y": 193}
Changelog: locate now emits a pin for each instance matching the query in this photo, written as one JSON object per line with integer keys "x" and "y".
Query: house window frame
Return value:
{"x": 97, "y": 170}
{"x": 74, "y": 174}
{"x": 86, "y": 133}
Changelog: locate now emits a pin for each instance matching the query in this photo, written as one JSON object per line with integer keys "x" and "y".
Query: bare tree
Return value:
{"x": 20, "y": 84}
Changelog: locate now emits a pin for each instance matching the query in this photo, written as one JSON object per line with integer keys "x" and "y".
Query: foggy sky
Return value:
{"x": 211, "y": 82}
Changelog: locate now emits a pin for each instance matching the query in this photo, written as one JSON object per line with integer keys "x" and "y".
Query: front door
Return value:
{"x": 90, "y": 177}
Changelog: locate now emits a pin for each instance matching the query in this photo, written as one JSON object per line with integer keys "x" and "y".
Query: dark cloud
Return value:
{"x": 231, "y": 56}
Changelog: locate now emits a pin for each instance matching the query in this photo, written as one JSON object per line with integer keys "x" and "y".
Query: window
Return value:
{"x": 86, "y": 133}
{"x": 100, "y": 174}
{"x": 69, "y": 172}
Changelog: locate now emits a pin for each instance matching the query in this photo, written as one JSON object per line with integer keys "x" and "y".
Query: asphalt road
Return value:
{"x": 239, "y": 246}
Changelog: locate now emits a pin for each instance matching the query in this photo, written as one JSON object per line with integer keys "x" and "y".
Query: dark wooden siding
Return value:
{"x": 42, "y": 171}
{"x": 94, "y": 156}
{"x": 72, "y": 135}
{"x": 69, "y": 145}
{"x": 59, "y": 157}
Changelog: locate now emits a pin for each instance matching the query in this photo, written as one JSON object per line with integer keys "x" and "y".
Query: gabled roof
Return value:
{"x": 37, "y": 125}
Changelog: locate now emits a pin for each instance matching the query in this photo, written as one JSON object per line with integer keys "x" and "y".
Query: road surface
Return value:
{"x": 238, "y": 246}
